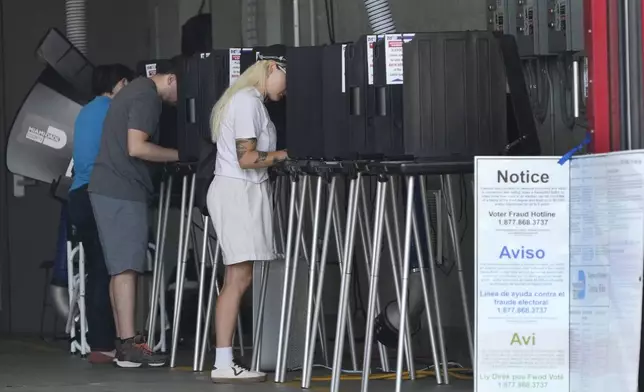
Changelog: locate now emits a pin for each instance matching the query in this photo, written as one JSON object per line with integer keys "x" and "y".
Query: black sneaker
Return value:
{"x": 135, "y": 353}
{"x": 235, "y": 374}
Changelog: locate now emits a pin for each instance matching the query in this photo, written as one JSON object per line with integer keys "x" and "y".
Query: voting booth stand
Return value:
{"x": 559, "y": 250}
{"x": 356, "y": 115}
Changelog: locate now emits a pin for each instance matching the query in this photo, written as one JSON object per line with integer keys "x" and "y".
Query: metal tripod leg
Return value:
{"x": 453, "y": 229}
{"x": 428, "y": 309}
{"x": 81, "y": 300}
{"x": 70, "y": 326}
{"x": 405, "y": 280}
{"x": 214, "y": 259}
{"x": 200, "y": 300}
{"x": 259, "y": 321}
{"x": 366, "y": 240}
{"x": 163, "y": 315}
{"x": 321, "y": 327}
{"x": 157, "y": 275}
{"x": 310, "y": 332}
{"x": 381, "y": 195}
{"x": 155, "y": 267}
{"x": 184, "y": 234}
{"x": 287, "y": 266}
{"x": 395, "y": 256}
{"x": 289, "y": 292}
{"x": 354, "y": 192}
{"x": 314, "y": 306}
{"x": 339, "y": 233}
{"x": 432, "y": 276}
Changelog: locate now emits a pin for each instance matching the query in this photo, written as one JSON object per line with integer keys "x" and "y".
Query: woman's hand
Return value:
{"x": 249, "y": 158}
{"x": 281, "y": 156}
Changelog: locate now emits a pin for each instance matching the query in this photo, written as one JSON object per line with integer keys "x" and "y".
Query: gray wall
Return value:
{"x": 32, "y": 220}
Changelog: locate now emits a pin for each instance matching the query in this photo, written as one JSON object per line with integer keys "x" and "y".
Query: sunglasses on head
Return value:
{"x": 280, "y": 61}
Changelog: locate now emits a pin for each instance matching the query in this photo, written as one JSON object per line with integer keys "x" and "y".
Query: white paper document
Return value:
{"x": 606, "y": 238}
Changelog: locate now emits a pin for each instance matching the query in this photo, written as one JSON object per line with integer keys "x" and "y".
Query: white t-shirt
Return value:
{"x": 245, "y": 117}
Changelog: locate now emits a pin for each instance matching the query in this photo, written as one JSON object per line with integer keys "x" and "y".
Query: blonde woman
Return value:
{"x": 239, "y": 199}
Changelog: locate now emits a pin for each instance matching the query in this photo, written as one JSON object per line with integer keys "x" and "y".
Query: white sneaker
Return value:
{"x": 234, "y": 374}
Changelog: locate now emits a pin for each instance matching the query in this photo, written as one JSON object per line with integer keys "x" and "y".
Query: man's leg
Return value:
{"x": 238, "y": 278}
{"x": 114, "y": 313}
{"x": 123, "y": 228}
{"x": 101, "y": 331}
{"x": 124, "y": 292}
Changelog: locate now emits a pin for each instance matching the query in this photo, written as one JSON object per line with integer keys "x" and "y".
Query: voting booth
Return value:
{"x": 42, "y": 133}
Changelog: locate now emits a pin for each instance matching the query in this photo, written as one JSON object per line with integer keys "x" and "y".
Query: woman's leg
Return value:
{"x": 238, "y": 278}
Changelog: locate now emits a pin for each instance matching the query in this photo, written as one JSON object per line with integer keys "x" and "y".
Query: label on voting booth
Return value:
{"x": 394, "y": 56}
{"x": 522, "y": 274}
{"x": 371, "y": 43}
{"x": 597, "y": 218}
{"x": 234, "y": 65}
{"x": 344, "y": 68}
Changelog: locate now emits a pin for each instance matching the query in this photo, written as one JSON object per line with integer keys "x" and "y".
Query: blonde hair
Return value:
{"x": 254, "y": 76}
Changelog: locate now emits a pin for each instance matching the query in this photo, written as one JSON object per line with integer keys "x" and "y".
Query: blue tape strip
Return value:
{"x": 576, "y": 149}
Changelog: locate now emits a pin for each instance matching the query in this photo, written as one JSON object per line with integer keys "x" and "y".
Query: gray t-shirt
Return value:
{"x": 116, "y": 174}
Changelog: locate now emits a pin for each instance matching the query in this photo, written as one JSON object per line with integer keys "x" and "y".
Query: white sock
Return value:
{"x": 223, "y": 357}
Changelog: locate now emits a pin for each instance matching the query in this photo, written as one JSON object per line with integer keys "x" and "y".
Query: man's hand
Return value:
{"x": 139, "y": 147}
{"x": 249, "y": 158}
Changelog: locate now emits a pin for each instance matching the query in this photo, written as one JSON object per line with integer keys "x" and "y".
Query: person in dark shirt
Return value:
{"x": 120, "y": 189}
{"x": 107, "y": 81}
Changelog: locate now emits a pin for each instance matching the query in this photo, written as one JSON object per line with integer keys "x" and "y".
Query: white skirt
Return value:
{"x": 242, "y": 214}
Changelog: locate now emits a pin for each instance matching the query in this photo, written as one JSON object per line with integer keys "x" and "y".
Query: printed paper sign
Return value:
{"x": 344, "y": 68}
{"x": 150, "y": 70}
{"x": 234, "y": 68}
{"x": 522, "y": 275}
{"x": 394, "y": 56}
{"x": 371, "y": 42}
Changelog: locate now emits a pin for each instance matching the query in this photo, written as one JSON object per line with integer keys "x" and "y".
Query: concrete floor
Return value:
{"x": 31, "y": 365}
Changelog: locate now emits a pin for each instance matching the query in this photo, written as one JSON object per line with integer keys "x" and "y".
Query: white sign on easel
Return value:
{"x": 522, "y": 269}
{"x": 604, "y": 240}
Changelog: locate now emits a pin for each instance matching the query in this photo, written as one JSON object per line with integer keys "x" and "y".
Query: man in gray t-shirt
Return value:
{"x": 120, "y": 186}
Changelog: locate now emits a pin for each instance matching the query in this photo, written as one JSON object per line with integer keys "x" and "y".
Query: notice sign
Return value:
{"x": 371, "y": 42}
{"x": 522, "y": 275}
{"x": 394, "y": 56}
{"x": 234, "y": 65}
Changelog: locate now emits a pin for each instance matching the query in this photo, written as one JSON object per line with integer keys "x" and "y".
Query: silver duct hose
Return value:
{"x": 380, "y": 18}
{"x": 251, "y": 23}
{"x": 76, "y": 31}
{"x": 76, "y": 24}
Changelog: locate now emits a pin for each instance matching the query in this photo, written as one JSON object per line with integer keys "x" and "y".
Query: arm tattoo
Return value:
{"x": 261, "y": 156}
{"x": 244, "y": 145}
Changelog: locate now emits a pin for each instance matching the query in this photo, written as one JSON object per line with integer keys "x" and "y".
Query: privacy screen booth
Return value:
{"x": 425, "y": 78}
{"x": 40, "y": 144}
{"x": 203, "y": 78}
{"x": 276, "y": 110}
{"x": 401, "y": 96}
{"x": 454, "y": 95}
